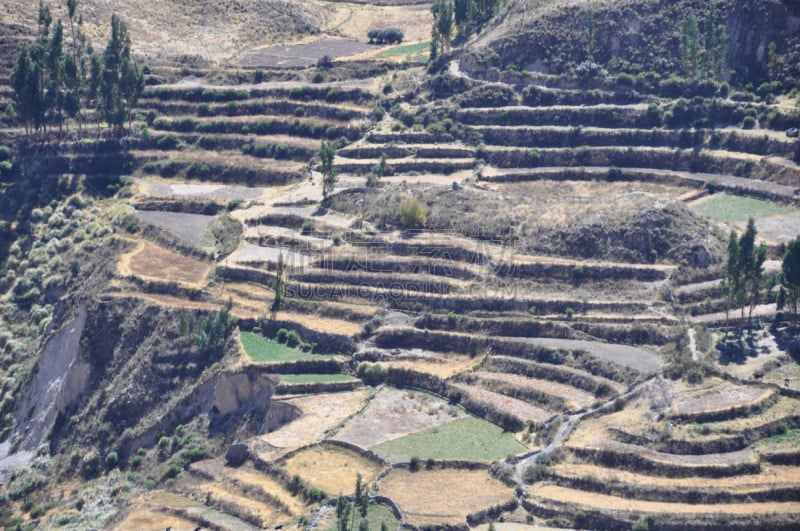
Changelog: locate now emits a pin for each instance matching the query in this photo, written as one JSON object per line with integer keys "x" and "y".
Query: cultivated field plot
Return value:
{"x": 520, "y": 409}
{"x": 321, "y": 413}
{"x": 574, "y": 398}
{"x": 443, "y": 496}
{"x": 261, "y": 349}
{"x": 544, "y": 493}
{"x": 248, "y": 478}
{"x": 785, "y": 407}
{"x": 393, "y": 413}
{"x": 309, "y": 378}
{"x": 331, "y": 468}
{"x": 169, "y": 505}
{"x": 779, "y": 229}
{"x": 191, "y": 230}
{"x": 301, "y": 55}
{"x": 636, "y": 358}
{"x": 705, "y": 461}
{"x": 716, "y": 395}
{"x": 441, "y": 366}
{"x": 770, "y": 475}
{"x": 157, "y": 188}
{"x": 736, "y": 210}
{"x": 151, "y": 262}
{"x": 377, "y": 514}
{"x": 143, "y": 518}
{"x": 468, "y": 439}
{"x": 248, "y": 254}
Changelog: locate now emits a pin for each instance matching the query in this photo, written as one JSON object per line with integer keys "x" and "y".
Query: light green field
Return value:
{"x": 316, "y": 378}
{"x": 469, "y": 438}
{"x": 376, "y": 515}
{"x": 260, "y": 348}
{"x": 728, "y": 208}
{"x": 414, "y": 52}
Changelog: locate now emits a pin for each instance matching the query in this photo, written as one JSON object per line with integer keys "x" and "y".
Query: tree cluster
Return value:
{"x": 385, "y": 36}
{"x": 52, "y": 85}
{"x": 743, "y": 275}
{"x": 790, "y": 277}
{"x": 471, "y": 14}
{"x": 703, "y": 54}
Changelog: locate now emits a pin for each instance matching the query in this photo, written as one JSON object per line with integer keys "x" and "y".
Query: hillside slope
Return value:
{"x": 636, "y": 36}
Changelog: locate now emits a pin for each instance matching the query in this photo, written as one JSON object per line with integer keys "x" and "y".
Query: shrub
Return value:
{"x": 6, "y": 167}
{"x": 280, "y": 337}
{"x": 579, "y": 517}
{"x": 748, "y": 122}
{"x": 326, "y": 61}
{"x": 169, "y": 142}
{"x": 413, "y": 464}
{"x": 281, "y": 151}
{"x": 112, "y": 460}
{"x": 337, "y": 238}
{"x": 385, "y": 36}
{"x": 293, "y": 338}
{"x": 307, "y": 227}
{"x": 641, "y": 525}
{"x": 624, "y": 79}
{"x": 317, "y": 77}
{"x": 454, "y": 396}
{"x": 371, "y": 373}
{"x": 412, "y": 215}
{"x": 334, "y": 94}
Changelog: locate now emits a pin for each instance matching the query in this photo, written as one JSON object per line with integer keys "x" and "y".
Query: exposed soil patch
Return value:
{"x": 301, "y": 55}
{"x": 210, "y": 191}
{"x": 439, "y": 497}
{"x": 321, "y": 412}
{"x": 191, "y": 230}
{"x": 715, "y": 395}
{"x": 151, "y": 262}
{"x": 634, "y": 357}
{"x": 393, "y": 413}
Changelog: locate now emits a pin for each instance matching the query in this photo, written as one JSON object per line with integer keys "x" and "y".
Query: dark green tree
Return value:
{"x": 121, "y": 82}
{"x": 751, "y": 268}
{"x": 464, "y": 16}
{"x": 442, "y": 31}
{"x": 28, "y": 91}
{"x": 327, "y": 152}
{"x": 590, "y": 35}
{"x": 790, "y": 274}
{"x": 731, "y": 277}
{"x": 280, "y": 284}
{"x": 715, "y": 42}
{"x": 690, "y": 46}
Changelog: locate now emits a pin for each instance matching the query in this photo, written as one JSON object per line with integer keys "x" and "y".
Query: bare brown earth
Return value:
{"x": 393, "y": 413}
{"x": 151, "y": 262}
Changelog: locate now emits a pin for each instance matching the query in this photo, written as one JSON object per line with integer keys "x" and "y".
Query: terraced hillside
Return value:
{"x": 508, "y": 309}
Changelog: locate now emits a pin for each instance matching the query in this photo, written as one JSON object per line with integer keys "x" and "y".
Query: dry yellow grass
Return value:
{"x": 266, "y": 513}
{"x": 321, "y": 413}
{"x": 144, "y": 519}
{"x": 783, "y": 408}
{"x": 249, "y": 477}
{"x": 769, "y": 475}
{"x": 443, "y": 367}
{"x": 443, "y": 496}
{"x": 151, "y": 262}
{"x": 561, "y": 495}
{"x": 331, "y": 469}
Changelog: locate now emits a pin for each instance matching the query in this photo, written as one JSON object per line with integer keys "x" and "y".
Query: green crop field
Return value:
{"x": 414, "y": 52}
{"x": 315, "y": 378}
{"x": 260, "y": 348}
{"x": 727, "y": 208}
{"x": 376, "y": 515}
{"x": 469, "y": 438}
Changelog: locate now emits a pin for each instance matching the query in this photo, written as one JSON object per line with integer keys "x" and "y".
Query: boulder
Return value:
{"x": 237, "y": 454}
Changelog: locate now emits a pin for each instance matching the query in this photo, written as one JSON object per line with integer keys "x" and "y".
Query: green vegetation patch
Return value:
{"x": 377, "y": 514}
{"x": 260, "y": 348}
{"x": 413, "y": 52}
{"x": 728, "y": 208}
{"x": 789, "y": 438}
{"x": 316, "y": 378}
{"x": 468, "y": 438}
